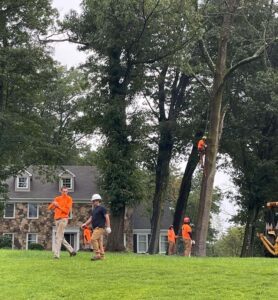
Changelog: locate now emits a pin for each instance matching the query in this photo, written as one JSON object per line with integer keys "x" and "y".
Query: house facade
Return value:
{"x": 27, "y": 220}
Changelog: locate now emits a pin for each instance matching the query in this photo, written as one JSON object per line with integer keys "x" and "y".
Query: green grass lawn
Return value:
{"x": 36, "y": 275}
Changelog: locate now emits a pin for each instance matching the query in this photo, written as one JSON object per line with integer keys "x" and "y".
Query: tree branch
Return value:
{"x": 206, "y": 55}
{"x": 247, "y": 60}
{"x": 153, "y": 111}
{"x": 202, "y": 84}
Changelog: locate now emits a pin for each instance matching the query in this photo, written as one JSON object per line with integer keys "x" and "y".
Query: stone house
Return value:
{"x": 27, "y": 220}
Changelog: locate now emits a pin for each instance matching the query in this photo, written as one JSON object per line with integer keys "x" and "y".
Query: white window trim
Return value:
{"x": 27, "y": 238}
{"x": 162, "y": 234}
{"x": 70, "y": 215}
{"x": 33, "y": 218}
{"x": 27, "y": 183}
{"x": 147, "y": 240}
{"x": 10, "y": 233}
{"x": 71, "y": 189}
{"x": 125, "y": 240}
{"x": 13, "y": 212}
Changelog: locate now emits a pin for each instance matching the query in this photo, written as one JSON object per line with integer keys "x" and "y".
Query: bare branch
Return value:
{"x": 202, "y": 84}
{"x": 206, "y": 55}
{"x": 246, "y": 60}
{"x": 150, "y": 106}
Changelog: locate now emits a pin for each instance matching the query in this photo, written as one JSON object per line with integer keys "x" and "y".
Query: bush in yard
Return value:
{"x": 35, "y": 246}
{"x": 5, "y": 242}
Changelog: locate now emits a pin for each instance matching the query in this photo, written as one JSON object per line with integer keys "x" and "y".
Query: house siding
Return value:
{"x": 42, "y": 226}
{"x": 42, "y": 191}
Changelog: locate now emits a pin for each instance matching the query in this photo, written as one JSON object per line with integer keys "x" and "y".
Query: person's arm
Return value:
{"x": 89, "y": 221}
{"x": 107, "y": 223}
{"x": 54, "y": 204}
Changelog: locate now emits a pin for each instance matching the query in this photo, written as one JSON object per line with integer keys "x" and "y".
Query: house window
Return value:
{"x": 9, "y": 211}
{"x": 22, "y": 182}
{"x": 31, "y": 239}
{"x": 67, "y": 182}
{"x": 142, "y": 243}
{"x": 10, "y": 237}
{"x": 163, "y": 243}
{"x": 33, "y": 211}
{"x": 66, "y": 178}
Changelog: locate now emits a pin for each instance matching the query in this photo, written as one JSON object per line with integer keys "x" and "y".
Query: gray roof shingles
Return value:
{"x": 85, "y": 184}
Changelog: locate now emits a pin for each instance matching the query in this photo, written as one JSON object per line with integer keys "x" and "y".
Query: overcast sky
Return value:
{"x": 67, "y": 53}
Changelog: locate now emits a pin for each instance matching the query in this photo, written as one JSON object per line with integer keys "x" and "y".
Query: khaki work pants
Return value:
{"x": 97, "y": 241}
{"x": 187, "y": 247}
{"x": 61, "y": 224}
{"x": 171, "y": 248}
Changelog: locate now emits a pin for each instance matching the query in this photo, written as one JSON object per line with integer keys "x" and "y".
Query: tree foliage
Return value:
{"x": 230, "y": 243}
{"x": 31, "y": 89}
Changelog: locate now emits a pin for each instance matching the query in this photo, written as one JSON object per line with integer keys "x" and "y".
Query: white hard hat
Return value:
{"x": 96, "y": 197}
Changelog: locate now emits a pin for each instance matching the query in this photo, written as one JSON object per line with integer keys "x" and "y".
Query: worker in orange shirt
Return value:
{"x": 187, "y": 236}
{"x": 61, "y": 206}
{"x": 171, "y": 240}
{"x": 202, "y": 150}
{"x": 87, "y": 233}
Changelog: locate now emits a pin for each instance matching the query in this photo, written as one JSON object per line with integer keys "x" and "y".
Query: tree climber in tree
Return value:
{"x": 202, "y": 150}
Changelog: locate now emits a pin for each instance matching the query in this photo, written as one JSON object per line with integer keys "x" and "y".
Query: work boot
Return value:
{"x": 95, "y": 258}
{"x": 73, "y": 253}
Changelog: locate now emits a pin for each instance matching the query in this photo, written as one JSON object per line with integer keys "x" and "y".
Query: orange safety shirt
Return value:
{"x": 201, "y": 145}
{"x": 171, "y": 235}
{"x": 87, "y": 235}
{"x": 65, "y": 205}
{"x": 186, "y": 229}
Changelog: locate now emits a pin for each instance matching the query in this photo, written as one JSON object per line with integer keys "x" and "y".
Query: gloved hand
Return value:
{"x": 108, "y": 230}
{"x": 192, "y": 242}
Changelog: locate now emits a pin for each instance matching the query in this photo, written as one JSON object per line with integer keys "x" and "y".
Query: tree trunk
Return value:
{"x": 249, "y": 233}
{"x": 167, "y": 133}
{"x": 185, "y": 188}
{"x": 128, "y": 228}
{"x": 115, "y": 240}
{"x": 213, "y": 134}
{"x": 162, "y": 178}
{"x": 114, "y": 126}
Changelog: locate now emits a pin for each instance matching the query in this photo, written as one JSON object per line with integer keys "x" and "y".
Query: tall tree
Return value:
{"x": 253, "y": 125}
{"x": 123, "y": 36}
{"x": 229, "y": 10}
{"x": 25, "y": 72}
{"x": 171, "y": 97}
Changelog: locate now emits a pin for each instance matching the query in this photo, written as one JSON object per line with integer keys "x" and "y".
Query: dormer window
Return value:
{"x": 67, "y": 182}
{"x": 67, "y": 179}
{"x": 22, "y": 182}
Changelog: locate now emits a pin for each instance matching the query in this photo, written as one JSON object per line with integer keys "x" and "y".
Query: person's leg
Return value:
{"x": 187, "y": 246}
{"x": 101, "y": 247}
{"x": 64, "y": 241}
{"x": 60, "y": 228}
{"x": 171, "y": 248}
{"x": 96, "y": 236}
{"x": 200, "y": 158}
